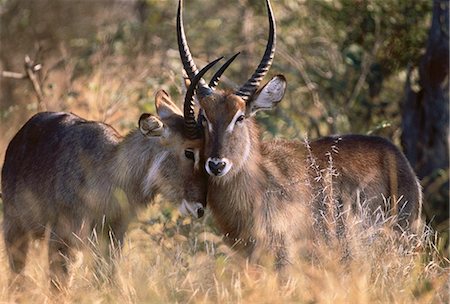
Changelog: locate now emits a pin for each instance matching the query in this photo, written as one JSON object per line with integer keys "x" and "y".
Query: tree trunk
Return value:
{"x": 426, "y": 118}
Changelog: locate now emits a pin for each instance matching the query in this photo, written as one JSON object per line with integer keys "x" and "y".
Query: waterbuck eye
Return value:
{"x": 189, "y": 154}
{"x": 240, "y": 118}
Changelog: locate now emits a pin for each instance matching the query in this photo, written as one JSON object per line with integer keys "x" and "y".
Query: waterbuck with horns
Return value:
{"x": 80, "y": 179}
{"x": 265, "y": 194}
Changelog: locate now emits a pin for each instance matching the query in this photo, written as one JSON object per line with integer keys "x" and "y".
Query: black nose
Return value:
{"x": 216, "y": 167}
{"x": 200, "y": 212}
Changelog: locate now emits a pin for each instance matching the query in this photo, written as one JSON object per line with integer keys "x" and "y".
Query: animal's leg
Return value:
{"x": 59, "y": 258}
{"x": 341, "y": 229}
{"x": 16, "y": 245}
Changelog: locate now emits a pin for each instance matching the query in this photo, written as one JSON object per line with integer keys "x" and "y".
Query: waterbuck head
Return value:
{"x": 227, "y": 117}
{"x": 182, "y": 178}
{"x": 182, "y": 137}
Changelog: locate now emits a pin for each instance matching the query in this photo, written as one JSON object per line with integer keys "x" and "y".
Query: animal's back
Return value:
{"x": 361, "y": 167}
{"x": 47, "y": 163}
{"x": 378, "y": 170}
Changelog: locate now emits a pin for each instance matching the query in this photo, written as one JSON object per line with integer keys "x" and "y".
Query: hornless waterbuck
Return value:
{"x": 263, "y": 195}
{"x": 81, "y": 178}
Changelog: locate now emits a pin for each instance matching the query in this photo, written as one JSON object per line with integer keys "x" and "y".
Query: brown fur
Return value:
{"x": 279, "y": 191}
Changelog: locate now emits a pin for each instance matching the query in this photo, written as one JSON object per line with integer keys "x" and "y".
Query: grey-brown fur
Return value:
{"x": 76, "y": 177}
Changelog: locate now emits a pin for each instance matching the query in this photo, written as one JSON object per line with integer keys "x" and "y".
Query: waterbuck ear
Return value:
{"x": 150, "y": 125}
{"x": 269, "y": 96}
{"x": 165, "y": 106}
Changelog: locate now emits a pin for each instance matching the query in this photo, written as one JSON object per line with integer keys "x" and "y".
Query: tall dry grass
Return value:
{"x": 168, "y": 259}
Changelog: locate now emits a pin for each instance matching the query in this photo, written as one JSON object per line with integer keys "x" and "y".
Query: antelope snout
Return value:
{"x": 194, "y": 209}
{"x": 200, "y": 212}
{"x": 217, "y": 166}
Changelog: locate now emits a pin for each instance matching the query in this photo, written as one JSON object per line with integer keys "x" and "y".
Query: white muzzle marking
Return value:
{"x": 194, "y": 209}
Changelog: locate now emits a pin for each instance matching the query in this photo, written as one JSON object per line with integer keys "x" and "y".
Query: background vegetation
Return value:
{"x": 351, "y": 66}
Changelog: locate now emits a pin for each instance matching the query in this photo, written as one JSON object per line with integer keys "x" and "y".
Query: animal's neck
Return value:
{"x": 233, "y": 199}
{"x": 131, "y": 168}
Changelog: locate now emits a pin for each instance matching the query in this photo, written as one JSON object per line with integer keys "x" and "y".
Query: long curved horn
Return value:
{"x": 189, "y": 115}
{"x": 215, "y": 79}
{"x": 185, "y": 54}
{"x": 249, "y": 88}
